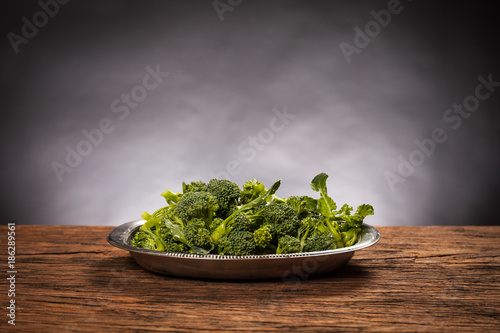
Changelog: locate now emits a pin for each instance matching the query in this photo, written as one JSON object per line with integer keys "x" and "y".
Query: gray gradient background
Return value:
{"x": 352, "y": 121}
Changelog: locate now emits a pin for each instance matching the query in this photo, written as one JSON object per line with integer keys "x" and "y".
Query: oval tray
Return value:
{"x": 287, "y": 267}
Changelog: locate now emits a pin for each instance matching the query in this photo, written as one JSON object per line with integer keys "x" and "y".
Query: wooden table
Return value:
{"x": 415, "y": 279}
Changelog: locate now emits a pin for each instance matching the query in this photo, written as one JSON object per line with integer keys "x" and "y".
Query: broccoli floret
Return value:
{"x": 237, "y": 243}
{"x": 263, "y": 236}
{"x": 225, "y": 226}
{"x": 244, "y": 222}
{"x": 150, "y": 232}
{"x": 281, "y": 217}
{"x": 194, "y": 187}
{"x": 197, "y": 205}
{"x": 186, "y": 237}
{"x": 251, "y": 190}
{"x": 215, "y": 223}
{"x": 175, "y": 247}
{"x": 308, "y": 226}
{"x": 288, "y": 244}
{"x": 227, "y": 194}
{"x": 144, "y": 239}
{"x": 319, "y": 241}
{"x": 197, "y": 235}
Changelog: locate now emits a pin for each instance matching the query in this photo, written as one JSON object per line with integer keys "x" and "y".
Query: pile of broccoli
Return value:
{"x": 220, "y": 218}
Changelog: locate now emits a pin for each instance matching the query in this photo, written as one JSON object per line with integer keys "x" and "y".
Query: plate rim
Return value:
{"x": 119, "y": 236}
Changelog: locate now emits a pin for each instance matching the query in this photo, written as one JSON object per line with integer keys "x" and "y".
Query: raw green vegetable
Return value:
{"x": 220, "y": 218}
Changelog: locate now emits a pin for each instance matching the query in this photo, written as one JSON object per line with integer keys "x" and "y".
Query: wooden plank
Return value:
{"x": 416, "y": 279}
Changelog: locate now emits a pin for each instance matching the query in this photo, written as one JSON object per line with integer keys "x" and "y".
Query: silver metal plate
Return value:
{"x": 272, "y": 266}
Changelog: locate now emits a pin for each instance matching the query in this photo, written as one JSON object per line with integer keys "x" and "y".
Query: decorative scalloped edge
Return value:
{"x": 218, "y": 256}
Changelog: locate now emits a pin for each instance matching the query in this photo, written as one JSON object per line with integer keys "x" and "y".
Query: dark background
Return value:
{"x": 352, "y": 120}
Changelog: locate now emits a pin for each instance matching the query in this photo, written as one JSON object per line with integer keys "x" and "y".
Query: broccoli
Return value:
{"x": 244, "y": 222}
{"x": 194, "y": 187}
{"x": 251, "y": 190}
{"x": 263, "y": 236}
{"x": 319, "y": 241}
{"x": 175, "y": 247}
{"x": 190, "y": 235}
{"x": 171, "y": 243}
{"x": 227, "y": 194}
{"x": 144, "y": 239}
{"x": 150, "y": 231}
{"x": 308, "y": 226}
{"x": 205, "y": 219}
{"x": 327, "y": 207}
{"x": 153, "y": 221}
{"x": 226, "y": 225}
{"x": 201, "y": 205}
{"x": 197, "y": 235}
{"x": 281, "y": 217}
{"x": 288, "y": 244}
{"x": 237, "y": 243}
{"x": 215, "y": 223}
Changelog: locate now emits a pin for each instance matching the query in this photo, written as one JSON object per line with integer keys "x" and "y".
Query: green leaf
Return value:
{"x": 200, "y": 250}
{"x": 326, "y": 205}
{"x": 319, "y": 182}
{"x": 176, "y": 231}
{"x": 357, "y": 218}
{"x": 310, "y": 202}
{"x": 365, "y": 210}
{"x": 346, "y": 209}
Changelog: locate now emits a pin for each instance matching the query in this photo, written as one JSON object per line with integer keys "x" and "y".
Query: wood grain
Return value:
{"x": 416, "y": 279}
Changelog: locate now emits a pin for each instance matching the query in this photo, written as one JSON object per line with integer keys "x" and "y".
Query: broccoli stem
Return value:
{"x": 220, "y": 231}
{"x": 351, "y": 236}
{"x": 171, "y": 197}
{"x": 160, "y": 246}
{"x": 333, "y": 228}
{"x": 302, "y": 237}
{"x": 154, "y": 219}
{"x": 146, "y": 216}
